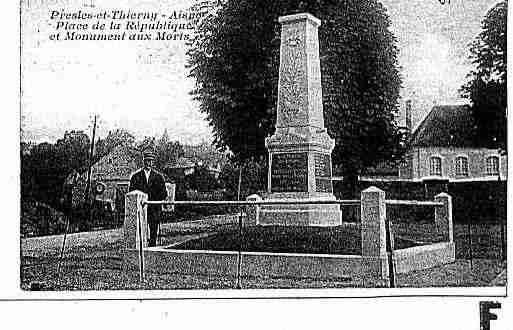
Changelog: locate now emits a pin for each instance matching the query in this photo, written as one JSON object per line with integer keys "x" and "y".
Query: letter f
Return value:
{"x": 485, "y": 315}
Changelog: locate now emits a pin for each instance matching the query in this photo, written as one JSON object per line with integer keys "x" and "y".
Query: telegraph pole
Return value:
{"x": 239, "y": 254}
{"x": 89, "y": 170}
{"x": 87, "y": 199}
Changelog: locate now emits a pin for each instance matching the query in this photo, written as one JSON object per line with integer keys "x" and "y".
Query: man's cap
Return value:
{"x": 148, "y": 154}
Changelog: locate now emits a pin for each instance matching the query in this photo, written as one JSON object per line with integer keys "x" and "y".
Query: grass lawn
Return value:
{"x": 485, "y": 238}
{"x": 344, "y": 239}
{"x": 94, "y": 261}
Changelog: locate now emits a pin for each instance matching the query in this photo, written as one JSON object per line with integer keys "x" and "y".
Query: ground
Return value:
{"x": 339, "y": 240}
{"x": 93, "y": 261}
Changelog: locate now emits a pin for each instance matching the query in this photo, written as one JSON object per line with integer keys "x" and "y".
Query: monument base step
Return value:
{"x": 300, "y": 215}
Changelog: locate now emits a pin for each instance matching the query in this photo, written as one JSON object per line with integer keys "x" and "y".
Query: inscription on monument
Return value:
{"x": 289, "y": 172}
{"x": 323, "y": 173}
{"x": 323, "y": 185}
{"x": 322, "y": 165}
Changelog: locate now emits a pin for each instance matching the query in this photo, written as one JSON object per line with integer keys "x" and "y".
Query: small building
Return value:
{"x": 185, "y": 166}
{"x": 383, "y": 171}
{"x": 445, "y": 147}
{"x": 110, "y": 175}
{"x": 182, "y": 167}
{"x": 110, "y": 180}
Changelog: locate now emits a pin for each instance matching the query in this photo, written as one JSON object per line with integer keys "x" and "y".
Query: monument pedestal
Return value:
{"x": 300, "y": 171}
{"x": 300, "y": 215}
{"x": 300, "y": 149}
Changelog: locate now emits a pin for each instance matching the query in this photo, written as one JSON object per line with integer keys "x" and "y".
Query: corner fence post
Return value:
{"x": 238, "y": 283}
{"x": 443, "y": 216}
{"x": 134, "y": 201}
{"x": 373, "y": 231}
{"x": 135, "y": 227}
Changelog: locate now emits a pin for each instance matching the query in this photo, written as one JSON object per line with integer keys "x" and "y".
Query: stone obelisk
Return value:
{"x": 300, "y": 149}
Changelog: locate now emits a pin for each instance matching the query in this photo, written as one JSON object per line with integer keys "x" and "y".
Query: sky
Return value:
{"x": 144, "y": 86}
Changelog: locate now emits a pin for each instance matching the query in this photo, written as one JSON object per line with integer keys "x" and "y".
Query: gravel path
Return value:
{"x": 46, "y": 245}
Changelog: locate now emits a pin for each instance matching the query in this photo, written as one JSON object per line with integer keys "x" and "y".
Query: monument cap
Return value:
{"x": 298, "y": 17}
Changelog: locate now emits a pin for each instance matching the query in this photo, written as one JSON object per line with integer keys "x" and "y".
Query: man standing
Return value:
{"x": 151, "y": 182}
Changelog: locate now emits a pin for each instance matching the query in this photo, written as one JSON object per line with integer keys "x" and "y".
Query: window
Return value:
{"x": 461, "y": 166}
{"x": 435, "y": 166}
{"x": 492, "y": 165}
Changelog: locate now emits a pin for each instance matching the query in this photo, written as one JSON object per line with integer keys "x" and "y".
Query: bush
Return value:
{"x": 254, "y": 178}
{"x": 187, "y": 212}
{"x": 479, "y": 202}
{"x": 39, "y": 219}
{"x": 472, "y": 201}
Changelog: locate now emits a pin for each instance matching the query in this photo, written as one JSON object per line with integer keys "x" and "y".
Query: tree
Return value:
{"x": 73, "y": 151}
{"x": 113, "y": 139}
{"x": 487, "y": 85}
{"x": 148, "y": 143}
{"x": 201, "y": 179}
{"x": 45, "y": 167}
{"x": 235, "y": 61}
{"x": 254, "y": 178}
{"x": 167, "y": 152}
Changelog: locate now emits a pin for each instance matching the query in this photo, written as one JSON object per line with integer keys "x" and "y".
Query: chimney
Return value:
{"x": 408, "y": 115}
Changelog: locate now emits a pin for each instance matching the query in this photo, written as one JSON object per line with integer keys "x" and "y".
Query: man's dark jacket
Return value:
{"x": 155, "y": 187}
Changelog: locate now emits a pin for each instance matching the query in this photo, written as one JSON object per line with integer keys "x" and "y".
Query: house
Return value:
{"x": 383, "y": 171}
{"x": 444, "y": 146}
{"x": 180, "y": 168}
{"x": 111, "y": 174}
{"x": 118, "y": 165}
{"x": 110, "y": 179}
{"x": 185, "y": 166}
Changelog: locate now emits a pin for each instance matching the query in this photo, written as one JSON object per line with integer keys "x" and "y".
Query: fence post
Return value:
{"x": 373, "y": 231}
{"x": 443, "y": 216}
{"x": 253, "y": 211}
{"x": 171, "y": 189}
{"x": 135, "y": 213}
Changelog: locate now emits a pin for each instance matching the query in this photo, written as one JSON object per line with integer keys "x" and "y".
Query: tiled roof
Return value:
{"x": 447, "y": 125}
{"x": 383, "y": 168}
{"x": 120, "y": 163}
{"x": 182, "y": 162}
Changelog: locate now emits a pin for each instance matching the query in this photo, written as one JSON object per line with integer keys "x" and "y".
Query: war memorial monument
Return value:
{"x": 300, "y": 149}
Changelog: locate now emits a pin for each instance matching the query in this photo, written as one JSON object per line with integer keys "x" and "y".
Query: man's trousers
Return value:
{"x": 154, "y": 216}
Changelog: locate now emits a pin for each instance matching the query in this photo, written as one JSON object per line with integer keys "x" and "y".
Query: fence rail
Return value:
{"x": 291, "y": 202}
{"x": 268, "y": 202}
{"x": 375, "y": 230}
{"x": 412, "y": 203}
